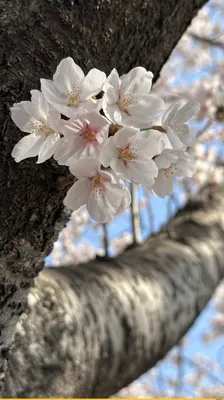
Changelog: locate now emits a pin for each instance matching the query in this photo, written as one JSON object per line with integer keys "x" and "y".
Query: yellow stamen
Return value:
{"x": 73, "y": 101}
{"x": 45, "y": 129}
{"x": 89, "y": 135}
{"x": 97, "y": 182}
{"x": 125, "y": 103}
{"x": 127, "y": 154}
{"x": 170, "y": 171}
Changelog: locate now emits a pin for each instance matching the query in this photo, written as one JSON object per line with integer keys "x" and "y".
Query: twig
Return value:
{"x": 180, "y": 372}
{"x": 150, "y": 212}
{"x": 204, "y": 369}
{"x": 135, "y": 215}
{"x": 105, "y": 240}
{"x": 207, "y": 41}
{"x": 204, "y": 129}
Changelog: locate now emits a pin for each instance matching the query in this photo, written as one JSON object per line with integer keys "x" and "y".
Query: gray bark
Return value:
{"x": 90, "y": 330}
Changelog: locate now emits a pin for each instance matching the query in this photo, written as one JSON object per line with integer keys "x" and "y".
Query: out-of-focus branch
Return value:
{"x": 105, "y": 240}
{"x": 207, "y": 41}
{"x": 205, "y": 128}
{"x": 135, "y": 215}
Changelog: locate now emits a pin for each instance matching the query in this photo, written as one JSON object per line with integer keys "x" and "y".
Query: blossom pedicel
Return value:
{"x": 106, "y": 141}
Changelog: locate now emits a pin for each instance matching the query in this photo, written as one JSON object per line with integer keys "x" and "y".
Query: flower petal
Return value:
{"x": 85, "y": 107}
{"x": 185, "y": 135}
{"x": 27, "y": 147}
{"x": 92, "y": 84}
{"x": 169, "y": 115}
{"x": 166, "y": 158}
{"x": 54, "y": 120}
{"x": 48, "y": 147}
{"x": 21, "y": 118}
{"x": 55, "y": 97}
{"x": 98, "y": 209}
{"x": 78, "y": 194}
{"x": 163, "y": 185}
{"x": 40, "y": 102}
{"x": 103, "y": 203}
{"x": 111, "y": 88}
{"x": 119, "y": 167}
{"x": 174, "y": 140}
{"x": 68, "y": 76}
{"x": 87, "y": 167}
{"x": 148, "y": 107}
{"x": 124, "y": 136}
{"x": 150, "y": 143}
{"x": 108, "y": 152}
{"x": 188, "y": 111}
{"x": 96, "y": 121}
{"x": 138, "y": 80}
{"x": 113, "y": 113}
{"x": 62, "y": 153}
{"x": 185, "y": 165}
{"x": 125, "y": 201}
{"x": 142, "y": 172}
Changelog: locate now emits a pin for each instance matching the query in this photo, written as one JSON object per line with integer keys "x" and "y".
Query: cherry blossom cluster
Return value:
{"x": 105, "y": 130}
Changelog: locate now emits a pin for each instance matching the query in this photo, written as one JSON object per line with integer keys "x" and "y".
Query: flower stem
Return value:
{"x": 155, "y": 127}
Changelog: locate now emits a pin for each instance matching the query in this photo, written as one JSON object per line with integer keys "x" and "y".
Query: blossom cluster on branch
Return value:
{"x": 105, "y": 129}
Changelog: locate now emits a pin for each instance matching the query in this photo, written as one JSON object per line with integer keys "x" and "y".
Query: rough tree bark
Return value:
{"x": 35, "y": 36}
{"x": 90, "y": 330}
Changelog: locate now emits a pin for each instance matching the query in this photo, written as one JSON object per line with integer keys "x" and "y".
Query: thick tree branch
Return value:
{"x": 90, "y": 330}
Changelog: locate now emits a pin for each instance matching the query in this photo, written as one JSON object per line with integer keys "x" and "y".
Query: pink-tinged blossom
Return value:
{"x": 102, "y": 192}
{"x": 71, "y": 92}
{"x": 130, "y": 154}
{"x": 174, "y": 123}
{"x": 170, "y": 164}
{"x": 127, "y": 101}
{"x": 82, "y": 138}
{"x": 42, "y": 122}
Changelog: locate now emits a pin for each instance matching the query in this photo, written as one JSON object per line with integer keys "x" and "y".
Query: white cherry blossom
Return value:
{"x": 126, "y": 199}
{"x": 127, "y": 101}
{"x": 102, "y": 193}
{"x": 71, "y": 92}
{"x": 130, "y": 154}
{"x": 174, "y": 123}
{"x": 42, "y": 122}
{"x": 170, "y": 164}
{"x": 82, "y": 138}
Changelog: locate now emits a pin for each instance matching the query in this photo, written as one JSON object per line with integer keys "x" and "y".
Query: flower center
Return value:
{"x": 73, "y": 101}
{"x": 46, "y": 130}
{"x": 73, "y": 98}
{"x": 126, "y": 101}
{"x": 127, "y": 154}
{"x": 42, "y": 127}
{"x": 90, "y": 136}
{"x": 97, "y": 185}
{"x": 170, "y": 171}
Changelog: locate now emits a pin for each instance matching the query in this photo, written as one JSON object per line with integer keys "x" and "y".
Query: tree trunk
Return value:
{"x": 35, "y": 36}
{"x": 90, "y": 330}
